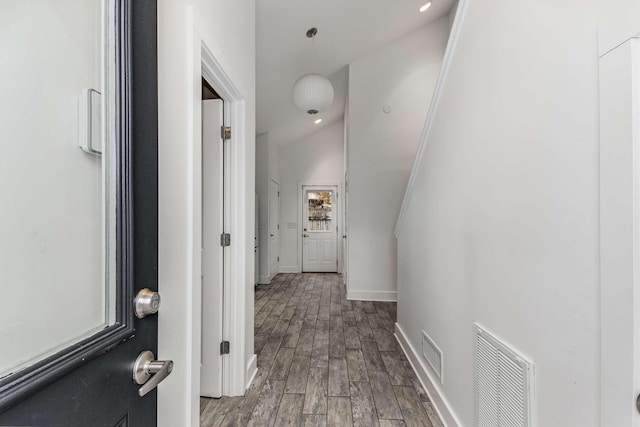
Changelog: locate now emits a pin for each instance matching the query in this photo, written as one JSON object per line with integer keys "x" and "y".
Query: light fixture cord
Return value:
{"x": 313, "y": 57}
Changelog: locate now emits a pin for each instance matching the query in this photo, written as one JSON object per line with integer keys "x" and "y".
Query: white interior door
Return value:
{"x": 274, "y": 227}
{"x": 620, "y": 233}
{"x": 212, "y": 255}
{"x": 345, "y": 232}
{"x": 320, "y": 232}
{"x": 256, "y": 242}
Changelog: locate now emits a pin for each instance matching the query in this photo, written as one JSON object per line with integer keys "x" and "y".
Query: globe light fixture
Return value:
{"x": 313, "y": 93}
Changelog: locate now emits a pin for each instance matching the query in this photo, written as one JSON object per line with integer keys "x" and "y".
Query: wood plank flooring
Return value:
{"x": 324, "y": 361}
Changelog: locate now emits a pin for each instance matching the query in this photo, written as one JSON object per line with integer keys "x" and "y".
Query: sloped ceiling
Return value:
{"x": 347, "y": 29}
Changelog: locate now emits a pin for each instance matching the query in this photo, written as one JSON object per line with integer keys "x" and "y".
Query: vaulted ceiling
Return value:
{"x": 347, "y": 29}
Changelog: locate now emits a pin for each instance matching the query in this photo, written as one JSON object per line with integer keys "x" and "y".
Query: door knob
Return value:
{"x": 149, "y": 372}
{"x": 305, "y": 235}
{"x": 271, "y": 235}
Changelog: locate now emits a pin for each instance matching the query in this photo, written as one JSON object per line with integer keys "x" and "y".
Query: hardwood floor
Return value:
{"x": 324, "y": 361}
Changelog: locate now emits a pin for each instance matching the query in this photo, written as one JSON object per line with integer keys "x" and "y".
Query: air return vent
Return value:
{"x": 433, "y": 354}
{"x": 504, "y": 384}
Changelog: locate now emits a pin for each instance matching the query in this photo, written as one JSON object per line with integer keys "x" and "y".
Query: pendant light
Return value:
{"x": 313, "y": 92}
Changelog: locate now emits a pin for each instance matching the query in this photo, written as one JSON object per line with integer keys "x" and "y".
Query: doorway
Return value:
{"x": 320, "y": 229}
{"x": 213, "y": 226}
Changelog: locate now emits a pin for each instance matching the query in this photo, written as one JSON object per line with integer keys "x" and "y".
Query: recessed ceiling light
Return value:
{"x": 318, "y": 121}
{"x": 425, "y": 6}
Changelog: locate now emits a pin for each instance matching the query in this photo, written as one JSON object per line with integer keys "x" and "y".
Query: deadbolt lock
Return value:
{"x": 146, "y": 302}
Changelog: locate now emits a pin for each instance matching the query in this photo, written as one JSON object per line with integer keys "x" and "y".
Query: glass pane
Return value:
{"x": 320, "y": 203}
{"x": 53, "y": 290}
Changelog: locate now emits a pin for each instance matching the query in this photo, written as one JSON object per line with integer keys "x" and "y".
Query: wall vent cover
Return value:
{"x": 432, "y": 354}
{"x": 504, "y": 384}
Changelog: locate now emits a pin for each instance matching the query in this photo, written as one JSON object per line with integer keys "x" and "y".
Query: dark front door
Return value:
{"x": 79, "y": 230}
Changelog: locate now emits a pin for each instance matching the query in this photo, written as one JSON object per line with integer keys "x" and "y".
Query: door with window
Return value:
{"x": 320, "y": 231}
{"x": 78, "y": 228}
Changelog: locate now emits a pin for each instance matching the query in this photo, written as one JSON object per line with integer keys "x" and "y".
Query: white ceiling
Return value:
{"x": 347, "y": 29}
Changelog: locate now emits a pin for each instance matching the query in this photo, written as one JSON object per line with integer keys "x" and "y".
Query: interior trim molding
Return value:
{"x": 384, "y": 296}
{"x": 620, "y": 26}
{"x": 252, "y": 370}
{"x": 428, "y": 381}
{"x": 289, "y": 269}
{"x": 264, "y": 280}
{"x": 433, "y": 109}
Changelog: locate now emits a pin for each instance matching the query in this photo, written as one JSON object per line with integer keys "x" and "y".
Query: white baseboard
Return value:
{"x": 264, "y": 280}
{"x": 289, "y": 269}
{"x": 388, "y": 296}
{"x": 252, "y": 370}
{"x": 428, "y": 381}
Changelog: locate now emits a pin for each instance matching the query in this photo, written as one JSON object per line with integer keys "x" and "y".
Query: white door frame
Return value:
{"x": 619, "y": 216}
{"x": 235, "y": 374}
{"x": 320, "y": 184}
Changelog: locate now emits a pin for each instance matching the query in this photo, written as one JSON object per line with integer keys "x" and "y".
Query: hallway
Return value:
{"x": 323, "y": 360}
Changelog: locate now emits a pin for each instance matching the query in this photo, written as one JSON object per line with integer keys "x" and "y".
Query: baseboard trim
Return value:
{"x": 386, "y": 296}
{"x": 252, "y": 370}
{"x": 264, "y": 280}
{"x": 289, "y": 269}
{"x": 428, "y": 381}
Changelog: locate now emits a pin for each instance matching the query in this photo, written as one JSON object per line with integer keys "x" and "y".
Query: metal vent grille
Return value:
{"x": 504, "y": 384}
{"x": 433, "y": 354}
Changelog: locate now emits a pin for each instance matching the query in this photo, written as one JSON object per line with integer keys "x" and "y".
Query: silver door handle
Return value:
{"x": 305, "y": 235}
{"x": 149, "y": 372}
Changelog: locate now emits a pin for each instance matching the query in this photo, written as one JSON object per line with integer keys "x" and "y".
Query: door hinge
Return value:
{"x": 225, "y": 239}
{"x": 278, "y": 226}
{"x": 224, "y": 347}
{"x": 278, "y": 259}
{"x": 225, "y": 132}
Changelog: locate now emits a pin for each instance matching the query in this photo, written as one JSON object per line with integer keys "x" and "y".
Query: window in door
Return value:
{"x": 320, "y": 211}
{"x": 56, "y": 240}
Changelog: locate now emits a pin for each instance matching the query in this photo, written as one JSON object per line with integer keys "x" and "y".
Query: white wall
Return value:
{"x": 317, "y": 158}
{"x": 267, "y": 168}
{"x": 502, "y": 226}
{"x": 228, "y": 29}
{"x": 382, "y": 148}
